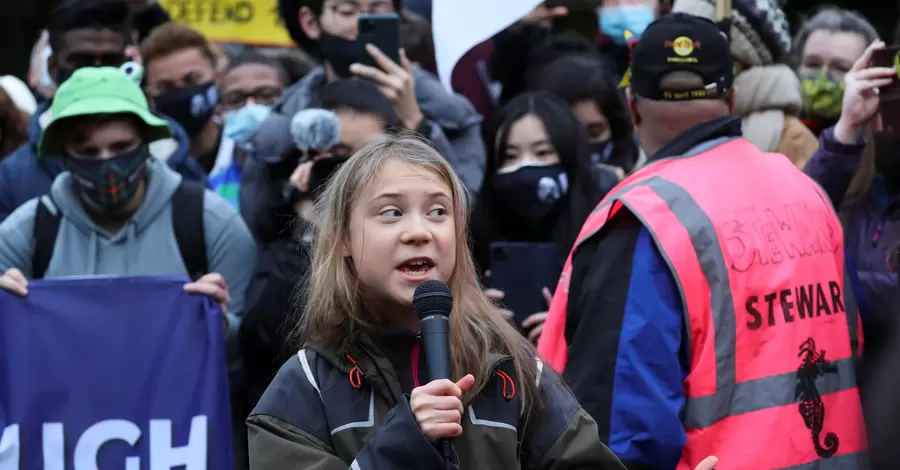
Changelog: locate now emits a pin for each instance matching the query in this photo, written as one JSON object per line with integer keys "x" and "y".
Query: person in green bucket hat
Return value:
{"x": 102, "y": 127}
{"x": 118, "y": 210}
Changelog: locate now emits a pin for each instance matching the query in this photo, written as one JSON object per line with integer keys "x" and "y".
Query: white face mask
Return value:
{"x": 46, "y": 80}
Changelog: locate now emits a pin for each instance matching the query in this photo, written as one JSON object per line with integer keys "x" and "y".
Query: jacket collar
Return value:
{"x": 724, "y": 127}
{"x": 376, "y": 368}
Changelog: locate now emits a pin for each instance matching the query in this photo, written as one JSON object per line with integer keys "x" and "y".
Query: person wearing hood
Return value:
{"x": 328, "y": 30}
{"x": 769, "y": 100}
{"x": 86, "y": 33}
{"x": 118, "y": 211}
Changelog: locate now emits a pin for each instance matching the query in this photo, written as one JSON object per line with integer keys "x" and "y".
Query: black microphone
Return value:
{"x": 432, "y": 302}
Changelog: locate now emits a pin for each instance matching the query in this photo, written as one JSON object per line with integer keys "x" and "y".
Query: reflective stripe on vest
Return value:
{"x": 802, "y": 412}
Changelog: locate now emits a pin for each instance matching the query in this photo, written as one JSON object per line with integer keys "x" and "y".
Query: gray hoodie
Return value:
{"x": 146, "y": 246}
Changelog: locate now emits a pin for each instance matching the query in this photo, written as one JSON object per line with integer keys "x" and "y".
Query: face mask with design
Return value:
{"x": 109, "y": 185}
{"x": 600, "y": 152}
{"x": 633, "y": 18}
{"x": 191, "y": 106}
{"x": 822, "y": 96}
{"x": 531, "y": 190}
{"x": 242, "y": 123}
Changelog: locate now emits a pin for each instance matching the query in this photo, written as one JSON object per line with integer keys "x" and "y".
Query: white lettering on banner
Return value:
{"x": 54, "y": 440}
{"x": 163, "y": 456}
{"x": 9, "y": 448}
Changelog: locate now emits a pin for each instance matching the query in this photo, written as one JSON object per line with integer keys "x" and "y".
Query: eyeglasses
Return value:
{"x": 261, "y": 95}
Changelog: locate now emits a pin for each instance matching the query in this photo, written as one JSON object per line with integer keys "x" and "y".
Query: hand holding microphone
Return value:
{"x": 437, "y": 405}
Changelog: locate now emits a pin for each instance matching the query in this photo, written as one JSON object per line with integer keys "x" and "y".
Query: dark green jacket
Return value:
{"x": 313, "y": 418}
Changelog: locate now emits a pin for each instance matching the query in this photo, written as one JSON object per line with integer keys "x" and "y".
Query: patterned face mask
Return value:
{"x": 822, "y": 96}
{"x": 109, "y": 184}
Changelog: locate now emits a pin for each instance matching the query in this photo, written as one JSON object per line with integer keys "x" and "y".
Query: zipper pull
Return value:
{"x": 419, "y": 336}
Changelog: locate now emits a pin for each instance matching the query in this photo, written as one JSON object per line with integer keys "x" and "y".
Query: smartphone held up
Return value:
{"x": 383, "y": 32}
{"x": 889, "y": 96}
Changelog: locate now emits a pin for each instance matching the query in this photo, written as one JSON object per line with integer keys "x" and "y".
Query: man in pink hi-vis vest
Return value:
{"x": 702, "y": 310}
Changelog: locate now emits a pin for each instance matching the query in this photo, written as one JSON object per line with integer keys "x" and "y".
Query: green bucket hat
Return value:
{"x": 98, "y": 90}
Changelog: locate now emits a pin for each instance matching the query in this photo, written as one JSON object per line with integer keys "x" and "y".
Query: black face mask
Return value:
{"x": 532, "y": 191}
{"x": 887, "y": 159}
{"x": 109, "y": 185}
{"x": 340, "y": 53}
{"x": 600, "y": 152}
{"x": 320, "y": 173}
{"x": 192, "y": 106}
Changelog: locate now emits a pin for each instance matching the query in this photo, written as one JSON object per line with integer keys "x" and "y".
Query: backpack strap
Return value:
{"x": 187, "y": 223}
{"x": 46, "y": 228}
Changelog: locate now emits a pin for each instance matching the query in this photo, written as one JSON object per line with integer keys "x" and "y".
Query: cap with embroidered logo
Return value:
{"x": 681, "y": 42}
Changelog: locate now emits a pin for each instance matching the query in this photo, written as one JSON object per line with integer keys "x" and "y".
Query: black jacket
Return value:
{"x": 314, "y": 416}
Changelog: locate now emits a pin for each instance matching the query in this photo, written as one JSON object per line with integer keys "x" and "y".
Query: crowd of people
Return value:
{"x": 630, "y": 258}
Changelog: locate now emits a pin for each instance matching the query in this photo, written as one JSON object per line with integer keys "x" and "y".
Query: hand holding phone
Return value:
{"x": 861, "y": 95}
{"x": 383, "y": 62}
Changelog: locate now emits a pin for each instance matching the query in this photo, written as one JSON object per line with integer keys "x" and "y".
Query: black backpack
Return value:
{"x": 187, "y": 223}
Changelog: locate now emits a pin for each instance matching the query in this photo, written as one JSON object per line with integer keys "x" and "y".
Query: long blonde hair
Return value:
{"x": 334, "y": 309}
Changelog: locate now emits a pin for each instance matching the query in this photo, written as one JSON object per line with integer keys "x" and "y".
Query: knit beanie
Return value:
{"x": 759, "y": 29}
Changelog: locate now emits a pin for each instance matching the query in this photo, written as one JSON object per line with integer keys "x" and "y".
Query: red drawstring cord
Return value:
{"x": 505, "y": 378}
{"x": 355, "y": 373}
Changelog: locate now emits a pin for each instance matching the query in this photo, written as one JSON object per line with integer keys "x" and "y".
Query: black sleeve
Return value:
{"x": 149, "y": 18}
{"x": 512, "y": 54}
{"x": 271, "y": 313}
{"x": 601, "y": 273}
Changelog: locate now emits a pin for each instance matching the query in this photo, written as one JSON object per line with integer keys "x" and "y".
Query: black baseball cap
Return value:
{"x": 681, "y": 42}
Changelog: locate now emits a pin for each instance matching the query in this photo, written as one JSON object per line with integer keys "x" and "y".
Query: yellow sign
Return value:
{"x": 253, "y": 22}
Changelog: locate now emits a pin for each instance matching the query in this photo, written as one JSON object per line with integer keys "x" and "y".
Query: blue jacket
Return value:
{"x": 23, "y": 176}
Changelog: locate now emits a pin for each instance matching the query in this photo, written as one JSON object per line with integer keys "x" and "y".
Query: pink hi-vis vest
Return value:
{"x": 757, "y": 253}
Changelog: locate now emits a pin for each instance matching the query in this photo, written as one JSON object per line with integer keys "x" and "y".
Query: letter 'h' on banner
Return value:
{"x": 124, "y": 373}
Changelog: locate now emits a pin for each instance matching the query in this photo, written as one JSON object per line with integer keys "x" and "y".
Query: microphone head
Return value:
{"x": 315, "y": 129}
{"x": 432, "y": 296}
